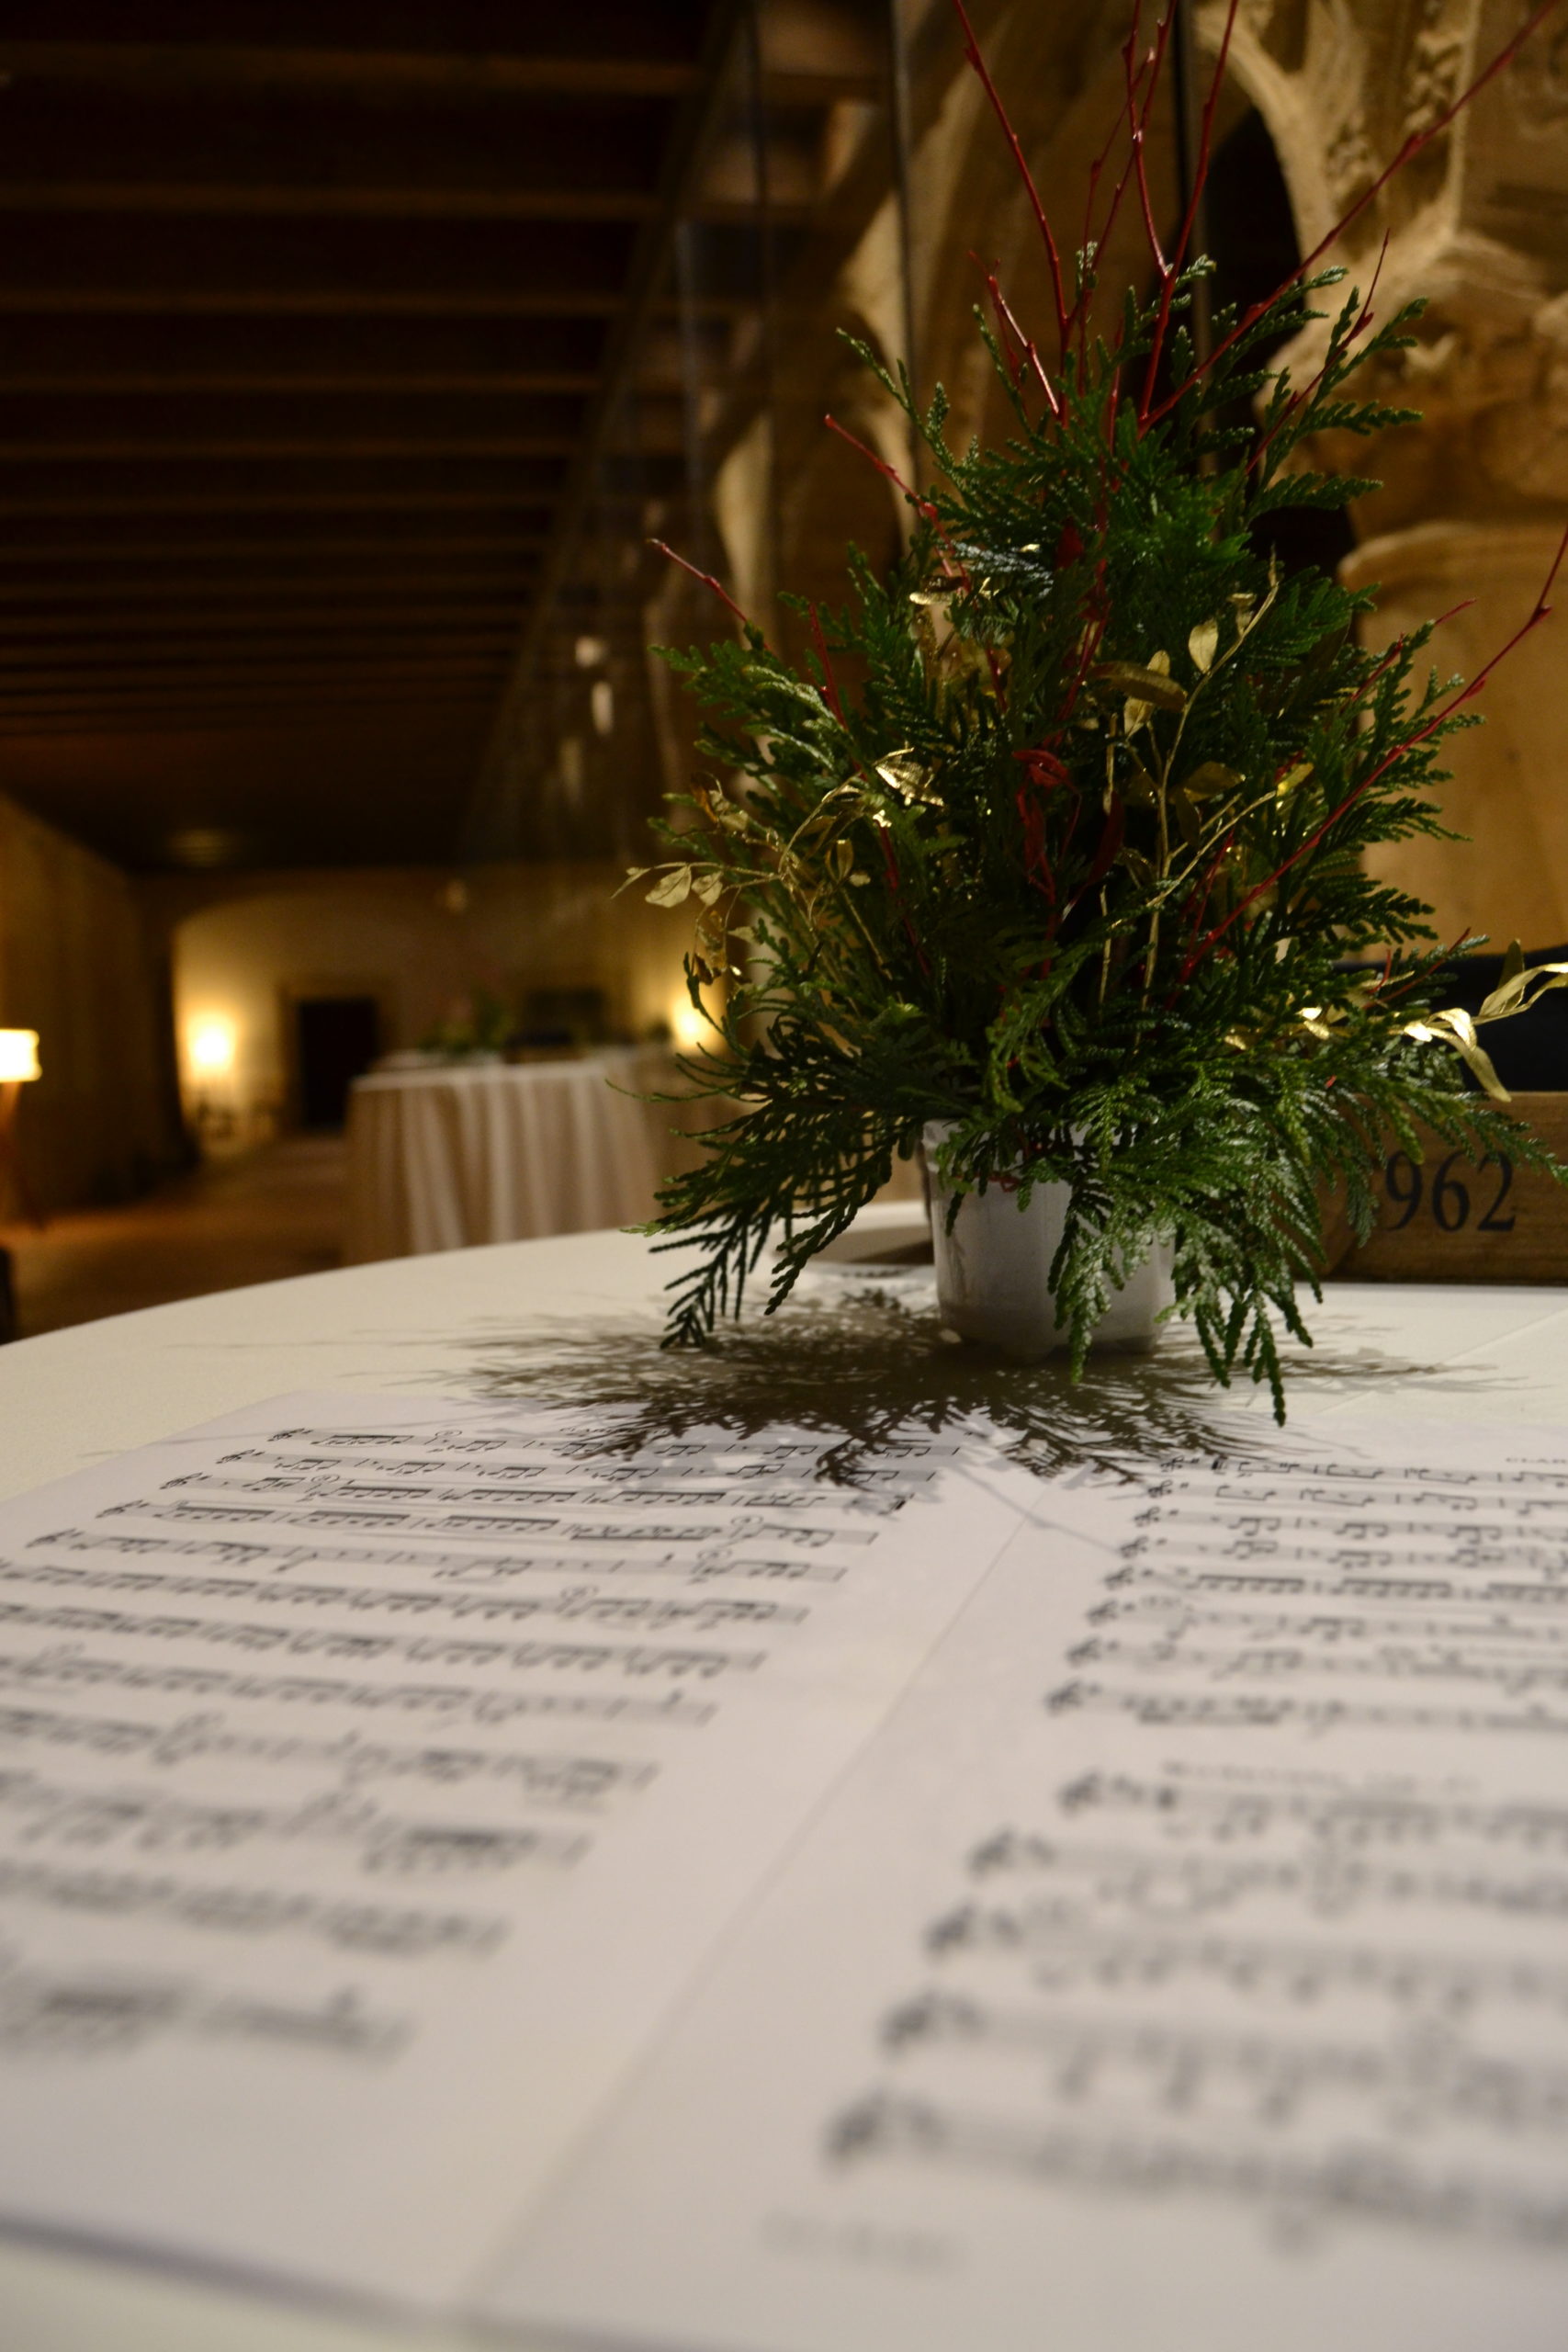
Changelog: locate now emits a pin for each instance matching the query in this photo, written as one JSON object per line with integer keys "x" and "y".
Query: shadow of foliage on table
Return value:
{"x": 859, "y": 1358}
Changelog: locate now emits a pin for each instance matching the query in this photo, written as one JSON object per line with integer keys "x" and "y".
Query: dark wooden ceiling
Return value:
{"x": 303, "y": 316}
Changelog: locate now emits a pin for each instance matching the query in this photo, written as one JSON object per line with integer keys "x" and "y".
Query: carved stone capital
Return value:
{"x": 1488, "y": 370}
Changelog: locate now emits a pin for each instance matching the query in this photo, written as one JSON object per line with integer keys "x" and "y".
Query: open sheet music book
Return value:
{"x": 657, "y": 1892}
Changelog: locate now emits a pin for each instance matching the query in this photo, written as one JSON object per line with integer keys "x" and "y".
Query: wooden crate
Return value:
{"x": 1444, "y": 1220}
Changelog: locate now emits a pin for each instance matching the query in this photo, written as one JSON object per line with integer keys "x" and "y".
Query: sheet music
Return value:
{"x": 1185, "y": 1964}
{"x": 374, "y": 1774}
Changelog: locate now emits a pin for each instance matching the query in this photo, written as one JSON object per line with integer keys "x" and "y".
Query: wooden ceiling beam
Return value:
{"x": 184, "y": 694}
{"x": 113, "y": 651}
{"x": 341, "y": 612}
{"x": 186, "y": 65}
{"x": 234, "y": 151}
{"x": 209, "y": 503}
{"x": 126, "y": 298}
{"x": 278, "y": 200}
{"x": 184, "y": 70}
{"x": 50, "y": 602}
{"x": 305, "y": 714}
{"x": 178, "y": 690}
{"x": 221, "y": 351}
{"x": 215, "y": 199}
{"x": 109, "y": 263}
{"x": 216, "y": 446}
{"x": 179, "y": 428}
{"x": 408, "y": 485}
{"x": 63, "y": 260}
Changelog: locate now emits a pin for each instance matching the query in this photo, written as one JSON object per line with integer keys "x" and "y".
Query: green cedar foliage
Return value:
{"x": 1078, "y": 867}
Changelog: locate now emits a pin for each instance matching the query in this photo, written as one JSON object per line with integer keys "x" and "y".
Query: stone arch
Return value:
{"x": 1061, "y": 78}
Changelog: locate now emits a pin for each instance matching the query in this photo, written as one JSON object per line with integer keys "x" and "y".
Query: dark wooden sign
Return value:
{"x": 1445, "y": 1218}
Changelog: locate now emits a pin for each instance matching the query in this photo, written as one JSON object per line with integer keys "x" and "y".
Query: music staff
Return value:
{"x": 73, "y": 2014}
{"x": 153, "y": 1822}
{"x": 1345, "y": 2185}
{"x": 405, "y": 1932}
{"x": 73, "y": 1669}
{"x": 568, "y": 1781}
{"x": 1064, "y": 1954}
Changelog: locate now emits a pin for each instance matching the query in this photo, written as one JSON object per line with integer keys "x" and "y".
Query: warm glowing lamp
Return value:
{"x": 687, "y": 1025}
{"x": 18, "y": 1057}
{"x": 211, "y": 1045}
{"x": 18, "y": 1063}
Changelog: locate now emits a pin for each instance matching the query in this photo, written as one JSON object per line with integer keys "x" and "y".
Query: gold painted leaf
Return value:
{"x": 1210, "y": 780}
{"x": 907, "y": 776}
{"x": 1154, "y": 684}
{"x": 1454, "y": 1028}
{"x": 708, "y": 885}
{"x": 674, "y": 889}
{"x": 1203, "y": 643}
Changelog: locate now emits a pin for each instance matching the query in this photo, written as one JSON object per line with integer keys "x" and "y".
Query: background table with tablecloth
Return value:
{"x": 444, "y": 1158}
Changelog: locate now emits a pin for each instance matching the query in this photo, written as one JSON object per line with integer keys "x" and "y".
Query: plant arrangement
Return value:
{"x": 1076, "y": 866}
{"x": 480, "y": 1023}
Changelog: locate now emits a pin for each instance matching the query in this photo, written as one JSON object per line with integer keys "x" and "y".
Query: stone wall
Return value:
{"x": 416, "y": 939}
{"x": 80, "y": 963}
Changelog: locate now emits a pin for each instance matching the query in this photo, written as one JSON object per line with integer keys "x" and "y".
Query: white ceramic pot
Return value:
{"x": 993, "y": 1270}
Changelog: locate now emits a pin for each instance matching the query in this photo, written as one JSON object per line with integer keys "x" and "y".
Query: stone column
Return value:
{"x": 1474, "y": 497}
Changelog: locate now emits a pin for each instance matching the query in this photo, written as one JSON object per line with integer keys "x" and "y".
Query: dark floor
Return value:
{"x": 276, "y": 1211}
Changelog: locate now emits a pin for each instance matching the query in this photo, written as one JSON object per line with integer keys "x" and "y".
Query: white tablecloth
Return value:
{"x": 444, "y": 1159}
{"x": 453, "y": 1325}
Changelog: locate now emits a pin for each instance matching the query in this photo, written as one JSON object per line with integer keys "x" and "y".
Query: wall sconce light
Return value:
{"x": 18, "y": 1064}
{"x": 211, "y": 1046}
{"x": 18, "y": 1057}
{"x": 687, "y": 1026}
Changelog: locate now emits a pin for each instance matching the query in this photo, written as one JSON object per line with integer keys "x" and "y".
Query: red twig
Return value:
{"x": 1171, "y": 272}
{"x": 706, "y": 577}
{"x": 1411, "y": 147}
{"x": 1133, "y": 116}
{"x": 1539, "y": 612}
{"x": 922, "y": 506}
{"x": 1028, "y": 357}
{"x": 829, "y": 683}
{"x": 972, "y": 51}
{"x": 956, "y": 567}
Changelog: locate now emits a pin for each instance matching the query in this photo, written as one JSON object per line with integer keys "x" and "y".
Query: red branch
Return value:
{"x": 956, "y": 567}
{"x": 1008, "y": 328}
{"x": 1140, "y": 84}
{"x": 1170, "y": 272}
{"x": 1539, "y": 612}
{"x": 830, "y": 689}
{"x": 972, "y": 51}
{"x": 1417, "y": 141}
{"x": 922, "y": 506}
{"x": 706, "y": 577}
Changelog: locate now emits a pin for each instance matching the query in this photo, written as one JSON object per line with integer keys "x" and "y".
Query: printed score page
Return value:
{"x": 374, "y": 1775}
{"x": 1185, "y": 1964}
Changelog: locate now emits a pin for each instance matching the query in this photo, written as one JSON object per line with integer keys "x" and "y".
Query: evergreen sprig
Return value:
{"x": 1076, "y": 866}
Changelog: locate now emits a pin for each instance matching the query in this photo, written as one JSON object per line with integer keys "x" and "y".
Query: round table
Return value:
{"x": 484, "y": 1321}
{"x": 448, "y": 1158}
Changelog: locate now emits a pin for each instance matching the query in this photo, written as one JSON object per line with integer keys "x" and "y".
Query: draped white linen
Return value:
{"x": 443, "y": 1159}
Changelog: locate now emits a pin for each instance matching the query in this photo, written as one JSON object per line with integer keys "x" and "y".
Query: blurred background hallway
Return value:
{"x": 270, "y": 1213}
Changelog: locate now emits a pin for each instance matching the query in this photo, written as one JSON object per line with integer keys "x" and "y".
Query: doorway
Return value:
{"x": 336, "y": 1040}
